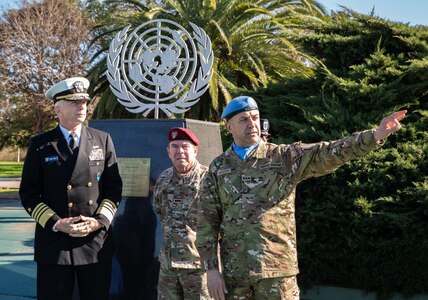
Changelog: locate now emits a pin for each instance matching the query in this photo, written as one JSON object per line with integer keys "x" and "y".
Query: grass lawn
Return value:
{"x": 8, "y": 191}
{"x": 10, "y": 169}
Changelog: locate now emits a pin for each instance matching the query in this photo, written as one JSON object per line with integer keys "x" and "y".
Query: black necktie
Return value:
{"x": 73, "y": 140}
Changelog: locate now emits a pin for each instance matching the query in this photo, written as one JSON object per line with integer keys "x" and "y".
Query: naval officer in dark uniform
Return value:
{"x": 71, "y": 187}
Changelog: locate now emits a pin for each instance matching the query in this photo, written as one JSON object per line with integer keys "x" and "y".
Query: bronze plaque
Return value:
{"x": 135, "y": 173}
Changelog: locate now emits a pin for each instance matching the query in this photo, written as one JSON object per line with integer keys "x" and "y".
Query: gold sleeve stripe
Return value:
{"x": 38, "y": 210}
{"x": 42, "y": 213}
{"x": 107, "y": 208}
{"x": 72, "y": 94}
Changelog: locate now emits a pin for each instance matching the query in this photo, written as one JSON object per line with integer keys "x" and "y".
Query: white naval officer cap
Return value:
{"x": 71, "y": 89}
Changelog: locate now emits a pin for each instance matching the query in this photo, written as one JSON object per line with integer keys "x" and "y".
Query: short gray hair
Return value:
{"x": 58, "y": 103}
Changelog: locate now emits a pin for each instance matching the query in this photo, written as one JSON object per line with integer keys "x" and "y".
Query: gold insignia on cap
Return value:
{"x": 174, "y": 134}
{"x": 79, "y": 87}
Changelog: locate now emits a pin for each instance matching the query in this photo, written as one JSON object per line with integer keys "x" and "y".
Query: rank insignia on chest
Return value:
{"x": 246, "y": 178}
{"x": 96, "y": 154}
{"x": 178, "y": 200}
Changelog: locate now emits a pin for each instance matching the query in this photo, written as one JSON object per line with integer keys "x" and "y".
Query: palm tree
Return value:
{"x": 249, "y": 39}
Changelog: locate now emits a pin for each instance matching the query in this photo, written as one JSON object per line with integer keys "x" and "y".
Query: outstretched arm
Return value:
{"x": 389, "y": 125}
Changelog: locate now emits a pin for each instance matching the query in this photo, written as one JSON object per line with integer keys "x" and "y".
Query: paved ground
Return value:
{"x": 9, "y": 183}
{"x": 17, "y": 268}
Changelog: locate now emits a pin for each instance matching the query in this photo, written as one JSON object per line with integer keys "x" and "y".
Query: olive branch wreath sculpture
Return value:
{"x": 188, "y": 98}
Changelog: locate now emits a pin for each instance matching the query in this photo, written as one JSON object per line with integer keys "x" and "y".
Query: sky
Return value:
{"x": 414, "y": 12}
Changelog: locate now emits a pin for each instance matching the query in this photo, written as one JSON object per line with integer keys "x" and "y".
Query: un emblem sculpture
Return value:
{"x": 158, "y": 70}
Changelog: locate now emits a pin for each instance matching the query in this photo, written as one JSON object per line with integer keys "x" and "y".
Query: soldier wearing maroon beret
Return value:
{"x": 176, "y": 199}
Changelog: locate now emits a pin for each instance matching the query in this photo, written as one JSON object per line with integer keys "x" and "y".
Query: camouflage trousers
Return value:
{"x": 279, "y": 288}
{"x": 180, "y": 284}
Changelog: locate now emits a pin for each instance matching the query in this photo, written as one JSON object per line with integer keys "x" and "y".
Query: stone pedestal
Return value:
{"x": 137, "y": 232}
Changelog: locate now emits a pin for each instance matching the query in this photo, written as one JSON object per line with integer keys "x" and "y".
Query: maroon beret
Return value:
{"x": 179, "y": 133}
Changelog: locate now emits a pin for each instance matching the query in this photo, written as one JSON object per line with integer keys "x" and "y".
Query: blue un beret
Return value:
{"x": 237, "y": 105}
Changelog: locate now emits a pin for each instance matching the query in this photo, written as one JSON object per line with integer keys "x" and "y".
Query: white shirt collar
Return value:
{"x": 66, "y": 132}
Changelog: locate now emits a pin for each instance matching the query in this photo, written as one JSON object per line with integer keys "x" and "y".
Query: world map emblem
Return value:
{"x": 159, "y": 66}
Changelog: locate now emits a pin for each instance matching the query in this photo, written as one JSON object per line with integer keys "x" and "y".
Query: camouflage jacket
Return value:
{"x": 175, "y": 201}
{"x": 248, "y": 206}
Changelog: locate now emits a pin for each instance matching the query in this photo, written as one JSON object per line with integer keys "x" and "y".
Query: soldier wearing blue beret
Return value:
{"x": 247, "y": 204}
{"x": 72, "y": 188}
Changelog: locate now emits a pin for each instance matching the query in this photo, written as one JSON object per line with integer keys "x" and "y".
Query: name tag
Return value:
{"x": 224, "y": 171}
{"x": 51, "y": 159}
{"x": 271, "y": 165}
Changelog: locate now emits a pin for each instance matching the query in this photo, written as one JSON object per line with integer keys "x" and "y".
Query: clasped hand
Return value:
{"x": 79, "y": 226}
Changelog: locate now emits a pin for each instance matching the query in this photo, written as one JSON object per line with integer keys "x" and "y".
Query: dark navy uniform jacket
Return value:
{"x": 57, "y": 184}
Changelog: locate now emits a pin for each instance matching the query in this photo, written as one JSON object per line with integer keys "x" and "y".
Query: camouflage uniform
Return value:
{"x": 175, "y": 201}
{"x": 284, "y": 288}
{"x": 248, "y": 206}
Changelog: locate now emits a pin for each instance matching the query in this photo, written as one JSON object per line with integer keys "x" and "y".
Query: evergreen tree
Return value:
{"x": 365, "y": 225}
